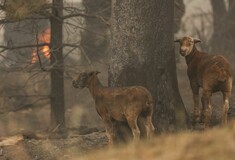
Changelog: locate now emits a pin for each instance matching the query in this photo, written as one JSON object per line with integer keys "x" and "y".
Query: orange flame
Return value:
{"x": 43, "y": 37}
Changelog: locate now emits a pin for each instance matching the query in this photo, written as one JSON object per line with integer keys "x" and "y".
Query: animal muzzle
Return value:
{"x": 183, "y": 53}
{"x": 76, "y": 84}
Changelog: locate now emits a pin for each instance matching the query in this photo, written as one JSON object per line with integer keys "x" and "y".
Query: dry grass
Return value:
{"x": 20, "y": 9}
{"x": 214, "y": 144}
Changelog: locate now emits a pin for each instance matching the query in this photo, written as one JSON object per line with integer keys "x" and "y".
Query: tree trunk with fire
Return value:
{"x": 142, "y": 53}
{"x": 57, "y": 70}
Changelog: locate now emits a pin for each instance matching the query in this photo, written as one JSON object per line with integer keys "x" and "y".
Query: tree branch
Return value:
{"x": 87, "y": 16}
{"x": 23, "y": 46}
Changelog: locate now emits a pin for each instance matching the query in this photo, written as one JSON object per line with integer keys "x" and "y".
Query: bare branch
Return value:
{"x": 87, "y": 16}
{"x": 26, "y": 106}
{"x": 24, "y": 46}
{"x": 17, "y": 95}
{"x": 179, "y": 6}
{"x": 86, "y": 57}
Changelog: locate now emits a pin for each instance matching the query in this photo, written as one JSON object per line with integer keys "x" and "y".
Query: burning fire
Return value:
{"x": 43, "y": 37}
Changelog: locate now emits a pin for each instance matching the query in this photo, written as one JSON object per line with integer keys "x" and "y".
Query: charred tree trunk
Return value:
{"x": 95, "y": 39}
{"x": 142, "y": 53}
{"x": 223, "y": 37}
{"x": 57, "y": 70}
{"x": 179, "y": 10}
{"x": 219, "y": 10}
{"x": 230, "y": 2}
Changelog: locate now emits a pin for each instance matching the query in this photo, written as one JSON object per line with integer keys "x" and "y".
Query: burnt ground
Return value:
{"x": 54, "y": 149}
{"x": 86, "y": 137}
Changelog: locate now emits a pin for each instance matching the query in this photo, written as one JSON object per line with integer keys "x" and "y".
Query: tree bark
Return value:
{"x": 223, "y": 37}
{"x": 142, "y": 53}
{"x": 95, "y": 39}
{"x": 230, "y": 2}
{"x": 219, "y": 10}
{"x": 179, "y": 11}
{"x": 57, "y": 71}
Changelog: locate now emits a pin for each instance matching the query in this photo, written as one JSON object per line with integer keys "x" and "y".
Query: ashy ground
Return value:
{"x": 213, "y": 144}
{"x": 86, "y": 134}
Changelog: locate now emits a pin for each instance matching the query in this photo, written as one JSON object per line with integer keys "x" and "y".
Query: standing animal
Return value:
{"x": 119, "y": 104}
{"x": 210, "y": 72}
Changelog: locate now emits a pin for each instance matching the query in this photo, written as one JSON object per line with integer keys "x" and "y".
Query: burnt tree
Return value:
{"x": 223, "y": 22}
{"x": 179, "y": 11}
{"x": 57, "y": 70}
{"x": 95, "y": 37}
{"x": 142, "y": 53}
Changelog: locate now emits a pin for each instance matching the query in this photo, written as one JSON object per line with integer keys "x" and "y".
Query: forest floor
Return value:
{"x": 20, "y": 147}
{"x": 83, "y": 142}
{"x": 215, "y": 143}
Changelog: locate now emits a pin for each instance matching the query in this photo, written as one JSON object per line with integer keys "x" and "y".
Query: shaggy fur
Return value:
{"x": 119, "y": 104}
{"x": 210, "y": 72}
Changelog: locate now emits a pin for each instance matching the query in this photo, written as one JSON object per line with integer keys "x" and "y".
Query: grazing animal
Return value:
{"x": 210, "y": 72}
{"x": 119, "y": 104}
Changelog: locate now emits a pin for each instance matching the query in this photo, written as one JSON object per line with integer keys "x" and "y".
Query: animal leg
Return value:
{"x": 196, "y": 110}
{"x": 207, "y": 109}
{"x": 149, "y": 127}
{"x": 109, "y": 130}
{"x": 226, "y": 96}
{"x": 132, "y": 122}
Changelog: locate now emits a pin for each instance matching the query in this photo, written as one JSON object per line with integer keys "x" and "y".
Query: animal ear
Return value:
{"x": 177, "y": 40}
{"x": 195, "y": 40}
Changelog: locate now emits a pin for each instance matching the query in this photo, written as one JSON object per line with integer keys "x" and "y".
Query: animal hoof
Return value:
{"x": 196, "y": 119}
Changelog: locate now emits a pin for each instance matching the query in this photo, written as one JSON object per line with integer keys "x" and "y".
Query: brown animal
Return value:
{"x": 210, "y": 72}
{"x": 119, "y": 104}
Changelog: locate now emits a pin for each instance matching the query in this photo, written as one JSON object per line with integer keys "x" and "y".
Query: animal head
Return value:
{"x": 84, "y": 79}
{"x": 186, "y": 44}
